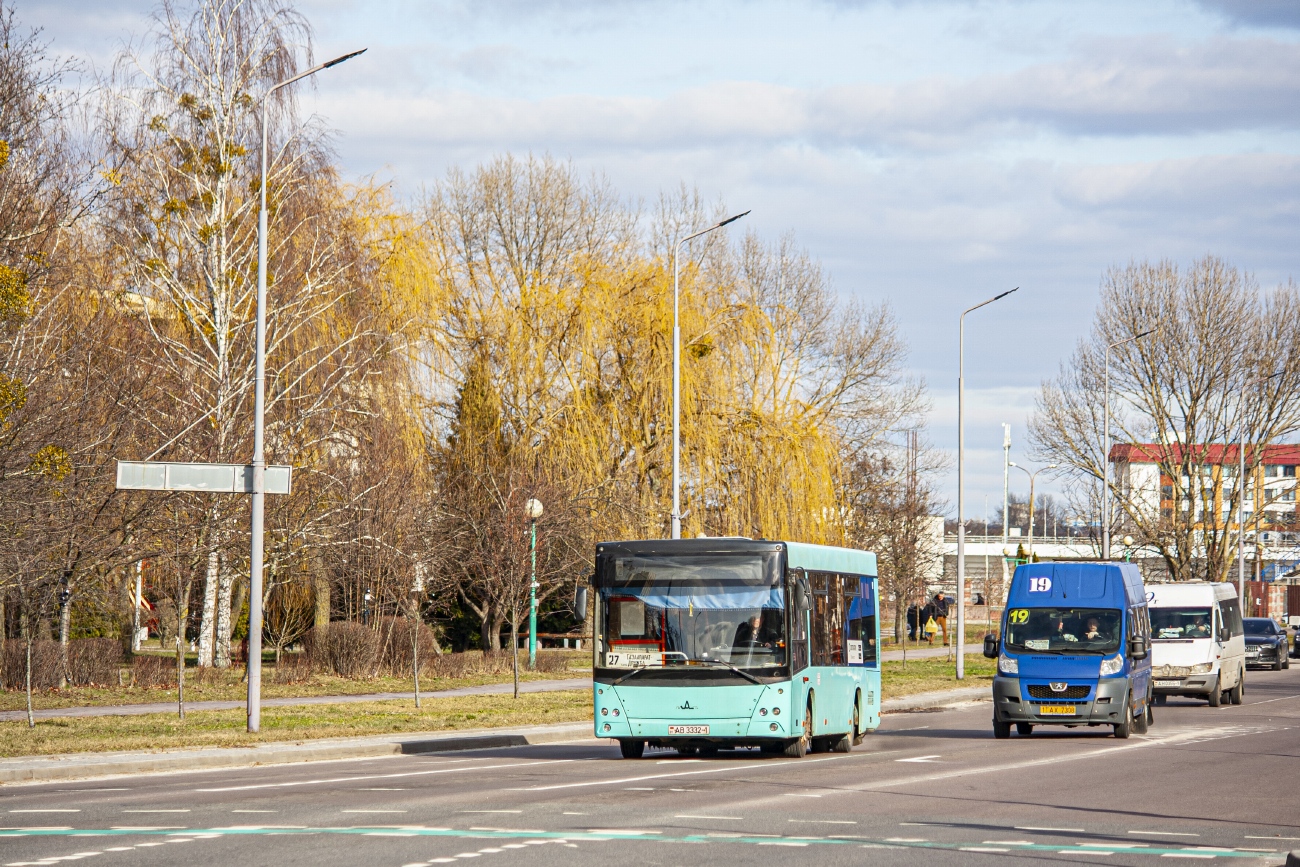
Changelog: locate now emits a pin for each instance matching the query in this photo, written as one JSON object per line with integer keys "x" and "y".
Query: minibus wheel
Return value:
{"x": 1140, "y": 720}
{"x": 1024, "y": 729}
{"x": 1234, "y": 694}
{"x": 1001, "y": 730}
{"x": 631, "y": 749}
{"x": 1215, "y": 698}
{"x": 1123, "y": 729}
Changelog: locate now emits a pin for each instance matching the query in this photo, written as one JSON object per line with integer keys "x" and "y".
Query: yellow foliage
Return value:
{"x": 15, "y": 299}
{"x": 51, "y": 461}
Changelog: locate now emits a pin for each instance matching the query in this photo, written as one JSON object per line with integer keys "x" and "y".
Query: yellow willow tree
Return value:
{"x": 559, "y": 308}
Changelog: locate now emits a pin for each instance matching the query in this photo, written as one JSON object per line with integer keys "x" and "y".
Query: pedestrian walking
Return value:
{"x": 912, "y": 613}
{"x": 940, "y": 605}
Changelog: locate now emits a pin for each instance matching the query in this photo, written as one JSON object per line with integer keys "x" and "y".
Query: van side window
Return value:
{"x": 1231, "y": 611}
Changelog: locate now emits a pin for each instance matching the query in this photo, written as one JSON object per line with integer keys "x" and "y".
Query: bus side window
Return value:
{"x": 798, "y": 631}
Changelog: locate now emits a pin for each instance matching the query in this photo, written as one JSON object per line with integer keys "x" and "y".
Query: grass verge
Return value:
{"x": 225, "y": 728}
{"x": 930, "y": 675}
{"x": 228, "y": 685}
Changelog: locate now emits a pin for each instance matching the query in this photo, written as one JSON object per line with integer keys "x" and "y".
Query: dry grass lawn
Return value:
{"x": 226, "y": 728}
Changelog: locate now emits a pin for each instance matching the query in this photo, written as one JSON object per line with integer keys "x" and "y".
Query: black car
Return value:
{"x": 1265, "y": 643}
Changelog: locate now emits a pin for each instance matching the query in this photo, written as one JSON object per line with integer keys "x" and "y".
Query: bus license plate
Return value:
{"x": 688, "y": 730}
{"x": 1057, "y": 709}
{"x": 1168, "y": 683}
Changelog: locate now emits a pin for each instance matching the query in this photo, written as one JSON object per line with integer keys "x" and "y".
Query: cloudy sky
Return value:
{"x": 930, "y": 153}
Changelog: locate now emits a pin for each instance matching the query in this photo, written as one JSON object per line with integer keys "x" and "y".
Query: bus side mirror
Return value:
{"x": 1137, "y": 647}
{"x": 1225, "y": 635}
{"x": 991, "y": 646}
{"x": 580, "y": 604}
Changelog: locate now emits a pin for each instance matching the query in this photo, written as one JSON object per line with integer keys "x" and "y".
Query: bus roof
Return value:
{"x": 817, "y": 558}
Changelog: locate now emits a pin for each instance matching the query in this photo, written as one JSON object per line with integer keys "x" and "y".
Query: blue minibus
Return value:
{"x": 718, "y": 643}
{"x": 1074, "y": 649}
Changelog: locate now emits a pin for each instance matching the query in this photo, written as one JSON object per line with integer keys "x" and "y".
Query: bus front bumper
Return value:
{"x": 1105, "y": 707}
{"x": 696, "y": 731}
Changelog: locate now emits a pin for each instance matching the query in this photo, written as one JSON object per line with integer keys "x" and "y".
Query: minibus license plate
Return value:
{"x": 688, "y": 730}
{"x": 1057, "y": 709}
{"x": 1164, "y": 683}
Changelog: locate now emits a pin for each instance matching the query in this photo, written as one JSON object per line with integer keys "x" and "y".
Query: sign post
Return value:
{"x": 212, "y": 479}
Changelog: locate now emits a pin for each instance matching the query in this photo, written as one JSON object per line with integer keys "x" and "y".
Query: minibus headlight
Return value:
{"x": 1203, "y": 668}
{"x": 1008, "y": 665}
{"x": 1113, "y": 665}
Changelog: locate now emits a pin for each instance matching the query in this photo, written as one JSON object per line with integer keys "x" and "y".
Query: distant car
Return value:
{"x": 1265, "y": 644}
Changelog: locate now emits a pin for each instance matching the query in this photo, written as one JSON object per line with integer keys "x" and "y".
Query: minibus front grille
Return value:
{"x": 1042, "y": 690}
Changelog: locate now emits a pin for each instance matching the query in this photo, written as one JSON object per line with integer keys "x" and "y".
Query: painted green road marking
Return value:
{"x": 601, "y": 836}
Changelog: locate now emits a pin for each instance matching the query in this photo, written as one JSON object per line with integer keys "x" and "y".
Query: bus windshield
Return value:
{"x": 1064, "y": 630}
{"x": 726, "y": 609}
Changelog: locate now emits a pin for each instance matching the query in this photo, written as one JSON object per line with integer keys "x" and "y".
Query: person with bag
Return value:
{"x": 929, "y": 627}
{"x": 940, "y": 605}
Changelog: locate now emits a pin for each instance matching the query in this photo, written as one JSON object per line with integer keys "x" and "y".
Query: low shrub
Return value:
{"x": 154, "y": 672}
{"x": 47, "y": 664}
{"x": 397, "y": 636}
{"x": 292, "y": 668}
{"x": 346, "y": 649}
{"x": 94, "y": 661}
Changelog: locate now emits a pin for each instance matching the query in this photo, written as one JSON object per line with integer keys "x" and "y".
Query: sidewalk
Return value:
{"x": 77, "y": 766}
{"x": 170, "y": 707}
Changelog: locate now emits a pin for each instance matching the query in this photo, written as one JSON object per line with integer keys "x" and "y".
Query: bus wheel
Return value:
{"x": 842, "y": 745}
{"x": 1001, "y": 730}
{"x": 1140, "y": 720}
{"x": 798, "y": 748}
{"x": 1122, "y": 729}
{"x": 631, "y": 749}
{"x": 858, "y": 734}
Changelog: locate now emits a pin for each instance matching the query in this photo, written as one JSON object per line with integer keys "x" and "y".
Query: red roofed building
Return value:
{"x": 1144, "y": 471}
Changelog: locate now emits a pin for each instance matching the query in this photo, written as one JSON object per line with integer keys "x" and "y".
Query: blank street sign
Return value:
{"x": 215, "y": 478}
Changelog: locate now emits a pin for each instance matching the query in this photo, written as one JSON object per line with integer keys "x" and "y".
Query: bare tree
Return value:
{"x": 1181, "y": 389}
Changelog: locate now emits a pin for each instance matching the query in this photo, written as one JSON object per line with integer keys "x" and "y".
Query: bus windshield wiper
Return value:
{"x": 641, "y": 668}
{"x": 746, "y": 675}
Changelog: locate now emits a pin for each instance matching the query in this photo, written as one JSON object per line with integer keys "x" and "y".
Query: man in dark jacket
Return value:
{"x": 912, "y": 613}
{"x": 940, "y": 604}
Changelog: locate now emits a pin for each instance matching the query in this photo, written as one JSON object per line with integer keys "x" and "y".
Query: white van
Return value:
{"x": 1197, "y": 642}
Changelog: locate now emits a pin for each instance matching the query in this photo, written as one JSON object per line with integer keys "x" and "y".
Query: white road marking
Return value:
{"x": 620, "y": 831}
{"x": 919, "y": 759}
{"x": 50, "y": 810}
{"x": 906, "y": 840}
{"x": 254, "y": 811}
{"x": 981, "y": 849}
{"x": 1249, "y": 837}
{"x": 822, "y": 821}
{"x": 575, "y": 814}
{"x": 1041, "y": 828}
{"x": 1084, "y": 852}
{"x": 155, "y": 811}
{"x": 1186, "y": 855}
{"x": 491, "y": 811}
{"x": 372, "y": 811}
{"x": 1166, "y": 833}
{"x": 1008, "y": 842}
{"x": 721, "y": 818}
{"x": 750, "y": 767}
{"x": 781, "y": 843}
{"x": 800, "y": 795}
{"x": 324, "y": 781}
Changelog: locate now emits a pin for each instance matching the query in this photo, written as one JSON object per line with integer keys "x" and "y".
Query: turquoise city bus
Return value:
{"x": 708, "y": 644}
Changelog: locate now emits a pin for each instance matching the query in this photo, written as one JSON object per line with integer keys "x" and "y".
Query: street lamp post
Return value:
{"x": 1241, "y": 498}
{"x": 1030, "y": 552}
{"x": 676, "y": 517}
{"x": 259, "y": 426}
{"x": 961, "y": 483}
{"x": 533, "y": 508}
{"x": 1006, "y": 492}
{"x": 1105, "y": 457}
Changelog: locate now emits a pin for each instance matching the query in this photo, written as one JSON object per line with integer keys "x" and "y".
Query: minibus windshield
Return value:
{"x": 1175, "y": 623}
{"x": 1064, "y": 630}
{"x": 707, "y": 609}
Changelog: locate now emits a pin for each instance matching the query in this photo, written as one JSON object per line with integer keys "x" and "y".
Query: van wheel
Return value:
{"x": 1151, "y": 716}
{"x": 1001, "y": 730}
{"x": 1234, "y": 694}
{"x": 631, "y": 749}
{"x": 1123, "y": 729}
{"x": 1140, "y": 721}
{"x": 1215, "y": 698}
{"x": 798, "y": 748}
{"x": 1162, "y": 699}
{"x": 1024, "y": 729}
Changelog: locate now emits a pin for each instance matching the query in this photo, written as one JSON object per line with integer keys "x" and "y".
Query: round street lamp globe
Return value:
{"x": 1128, "y": 540}
{"x": 533, "y": 508}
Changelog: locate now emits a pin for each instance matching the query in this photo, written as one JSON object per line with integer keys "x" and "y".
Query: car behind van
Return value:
{"x": 1073, "y": 649}
{"x": 1198, "y": 647}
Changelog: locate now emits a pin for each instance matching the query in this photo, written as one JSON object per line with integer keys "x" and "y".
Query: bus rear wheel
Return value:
{"x": 631, "y": 749}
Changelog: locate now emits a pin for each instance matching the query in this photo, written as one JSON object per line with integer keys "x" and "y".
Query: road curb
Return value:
{"x": 937, "y": 699}
{"x": 79, "y": 766}
{"x": 83, "y": 766}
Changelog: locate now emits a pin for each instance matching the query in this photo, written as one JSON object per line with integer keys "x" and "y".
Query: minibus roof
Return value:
{"x": 1112, "y": 585}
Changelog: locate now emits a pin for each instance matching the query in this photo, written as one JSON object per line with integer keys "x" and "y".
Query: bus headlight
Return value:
{"x": 605, "y": 727}
{"x": 604, "y": 711}
{"x": 776, "y": 711}
{"x": 1008, "y": 665}
{"x": 1114, "y": 665}
{"x": 762, "y": 711}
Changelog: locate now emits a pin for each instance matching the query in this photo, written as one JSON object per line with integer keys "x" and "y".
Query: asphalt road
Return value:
{"x": 928, "y": 788}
